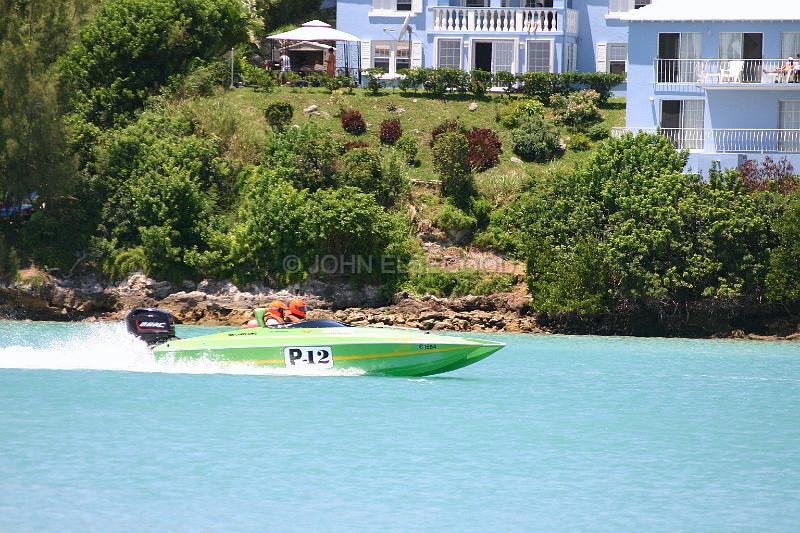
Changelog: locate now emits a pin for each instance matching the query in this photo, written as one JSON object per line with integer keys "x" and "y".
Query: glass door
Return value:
{"x": 678, "y": 55}
{"x": 502, "y": 56}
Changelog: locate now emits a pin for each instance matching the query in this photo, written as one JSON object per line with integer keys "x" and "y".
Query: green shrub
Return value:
{"x": 414, "y": 78}
{"x": 451, "y": 162}
{"x": 444, "y": 127}
{"x": 630, "y": 226}
{"x": 505, "y": 80}
{"x": 480, "y": 82}
{"x": 396, "y": 179}
{"x": 132, "y": 48}
{"x": 442, "y": 283}
{"x": 535, "y": 140}
{"x": 253, "y": 75}
{"x": 456, "y": 223}
{"x": 481, "y": 209}
{"x": 203, "y": 80}
{"x": 579, "y": 142}
{"x": 577, "y": 109}
{"x": 118, "y": 264}
{"x": 545, "y": 85}
{"x": 601, "y": 82}
{"x": 9, "y": 261}
{"x": 271, "y": 224}
{"x": 361, "y": 168}
{"x": 599, "y": 132}
{"x": 306, "y": 156}
{"x": 374, "y": 83}
{"x": 407, "y": 144}
{"x": 349, "y": 223}
{"x": 279, "y": 115}
{"x": 512, "y": 113}
{"x": 783, "y": 277}
{"x": 443, "y": 81}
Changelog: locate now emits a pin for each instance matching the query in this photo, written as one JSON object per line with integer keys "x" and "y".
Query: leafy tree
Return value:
{"x": 451, "y": 161}
{"x": 631, "y": 226}
{"x": 361, "y": 168}
{"x": 279, "y": 13}
{"x": 306, "y": 156}
{"x": 33, "y": 153}
{"x": 133, "y": 47}
{"x": 783, "y": 278}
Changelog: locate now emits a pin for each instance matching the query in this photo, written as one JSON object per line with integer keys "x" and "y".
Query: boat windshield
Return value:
{"x": 317, "y": 324}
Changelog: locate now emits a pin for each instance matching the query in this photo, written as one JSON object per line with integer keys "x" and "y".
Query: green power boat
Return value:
{"x": 316, "y": 345}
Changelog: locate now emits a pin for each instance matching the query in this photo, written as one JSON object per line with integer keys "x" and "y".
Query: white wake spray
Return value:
{"x": 110, "y": 347}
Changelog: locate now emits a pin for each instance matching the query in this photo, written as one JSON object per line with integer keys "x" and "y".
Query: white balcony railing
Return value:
{"x": 728, "y": 140}
{"x": 516, "y": 20}
{"x": 727, "y": 71}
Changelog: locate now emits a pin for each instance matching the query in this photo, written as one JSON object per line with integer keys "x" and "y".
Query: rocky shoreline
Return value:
{"x": 41, "y": 297}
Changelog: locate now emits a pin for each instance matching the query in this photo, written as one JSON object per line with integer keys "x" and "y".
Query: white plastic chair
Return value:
{"x": 732, "y": 74}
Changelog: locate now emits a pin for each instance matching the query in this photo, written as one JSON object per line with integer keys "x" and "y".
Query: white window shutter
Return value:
{"x": 416, "y": 55}
{"x": 416, "y": 6}
{"x": 600, "y": 57}
{"x": 366, "y": 54}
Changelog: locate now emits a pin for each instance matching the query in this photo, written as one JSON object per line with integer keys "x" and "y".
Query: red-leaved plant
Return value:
{"x": 353, "y": 122}
{"x": 391, "y": 131}
{"x": 769, "y": 176}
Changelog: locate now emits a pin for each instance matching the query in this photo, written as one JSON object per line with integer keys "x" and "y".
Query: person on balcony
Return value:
{"x": 784, "y": 73}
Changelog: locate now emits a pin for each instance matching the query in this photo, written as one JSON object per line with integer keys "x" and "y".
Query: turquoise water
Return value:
{"x": 551, "y": 433}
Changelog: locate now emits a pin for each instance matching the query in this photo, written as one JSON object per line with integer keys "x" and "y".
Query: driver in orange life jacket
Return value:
{"x": 297, "y": 310}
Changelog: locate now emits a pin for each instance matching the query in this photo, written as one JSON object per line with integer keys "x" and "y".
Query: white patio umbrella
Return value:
{"x": 315, "y": 31}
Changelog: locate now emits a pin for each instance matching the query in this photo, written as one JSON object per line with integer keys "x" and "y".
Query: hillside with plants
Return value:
{"x": 142, "y": 159}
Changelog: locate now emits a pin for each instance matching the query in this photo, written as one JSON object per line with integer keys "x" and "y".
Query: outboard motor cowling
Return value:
{"x": 153, "y": 326}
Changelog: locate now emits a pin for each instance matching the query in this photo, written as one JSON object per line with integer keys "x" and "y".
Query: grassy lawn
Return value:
{"x": 236, "y": 117}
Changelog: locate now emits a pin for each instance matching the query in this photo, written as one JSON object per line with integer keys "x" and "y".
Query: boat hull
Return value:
{"x": 386, "y": 351}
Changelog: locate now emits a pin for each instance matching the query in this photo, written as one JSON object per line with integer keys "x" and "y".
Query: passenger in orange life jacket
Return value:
{"x": 297, "y": 310}
{"x": 276, "y": 314}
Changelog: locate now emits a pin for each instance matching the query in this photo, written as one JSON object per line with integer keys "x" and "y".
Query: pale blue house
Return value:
{"x": 716, "y": 76}
{"x": 493, "y": 35}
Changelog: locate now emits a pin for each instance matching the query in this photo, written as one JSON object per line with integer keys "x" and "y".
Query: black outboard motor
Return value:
{"x": 153, "y": 326}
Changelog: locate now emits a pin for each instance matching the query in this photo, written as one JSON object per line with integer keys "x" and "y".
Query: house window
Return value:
{"x": 683, "y": 122}
{"x": 476, "y": 3}
{"x": 537, "y": 3}
{"x": 617, "y": 57}
{"x": 538, "y": 57}
{"x": 789, "y": 141}
{"x": 449, "y": 53}
{"x": 403, "y": 5}
{"x": 402, "y": 57}
{"x": 790, "y": 44}
{"x": 382, "y": 56}
{"x": 390, "y": 56}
